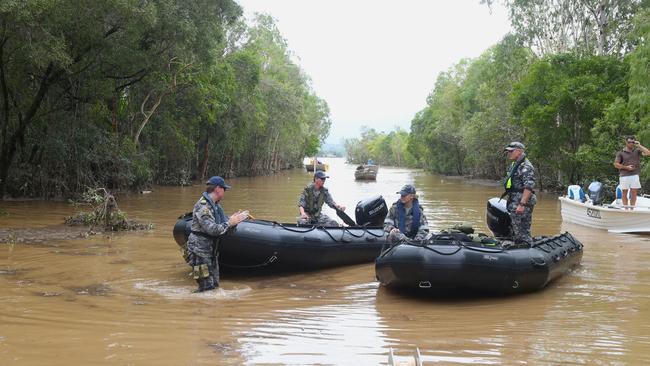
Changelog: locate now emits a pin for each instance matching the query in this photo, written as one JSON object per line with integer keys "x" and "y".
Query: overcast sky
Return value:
{"x": 375, "y": 61}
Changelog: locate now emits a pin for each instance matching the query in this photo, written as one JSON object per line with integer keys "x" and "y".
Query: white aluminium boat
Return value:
{"x": 614, "y": 218}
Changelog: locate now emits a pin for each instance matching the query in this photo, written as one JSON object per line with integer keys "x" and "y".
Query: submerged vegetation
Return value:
{"x": 103, "y": 213}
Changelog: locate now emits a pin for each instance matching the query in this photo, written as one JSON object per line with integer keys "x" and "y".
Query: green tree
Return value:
{"x": 558, "y": 103}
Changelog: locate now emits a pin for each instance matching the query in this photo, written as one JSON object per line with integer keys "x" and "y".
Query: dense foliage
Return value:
{"x": 570, "y": 83}
{"x": 382, "y": 148}
{"x": 124, "y": 94}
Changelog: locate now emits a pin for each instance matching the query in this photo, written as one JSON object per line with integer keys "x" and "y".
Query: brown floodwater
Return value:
{"x": 126, "y": 299}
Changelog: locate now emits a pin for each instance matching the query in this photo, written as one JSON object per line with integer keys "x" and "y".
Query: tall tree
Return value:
{"x": 598, "y": 27}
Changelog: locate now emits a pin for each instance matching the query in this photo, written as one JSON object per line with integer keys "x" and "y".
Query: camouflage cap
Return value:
{"x": 515, "y": 145}
{"x": 407, "y": 189}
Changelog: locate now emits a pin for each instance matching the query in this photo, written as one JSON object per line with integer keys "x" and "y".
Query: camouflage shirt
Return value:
{"x": 303, "y": 200}
{"x": 392, "y": 221}
{"x": 207, "y": 220}
{"x": 523, "y": 178}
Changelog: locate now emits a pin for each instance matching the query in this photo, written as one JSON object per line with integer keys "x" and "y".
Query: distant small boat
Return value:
{"x": 318, "y": 165}
{"x": 366, "y": 172}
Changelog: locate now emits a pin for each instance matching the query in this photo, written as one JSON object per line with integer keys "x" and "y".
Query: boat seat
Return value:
{"x": 576, "y": 193}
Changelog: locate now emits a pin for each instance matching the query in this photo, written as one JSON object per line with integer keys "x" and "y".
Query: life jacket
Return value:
{"x": 314, "y": 210}
{"x": 507, "y": 184}
{"x": 401, "y": 218}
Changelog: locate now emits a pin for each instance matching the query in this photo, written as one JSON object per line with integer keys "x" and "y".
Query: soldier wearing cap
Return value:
{"x": 311, "y": 202}
{"x": 519, "y": 187}
{"x": 405, "y": 219}
{"x": 209, "y": 222}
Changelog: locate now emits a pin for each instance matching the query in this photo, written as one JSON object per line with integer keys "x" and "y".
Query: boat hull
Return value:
{"x": 451, "y": 265}
{"x": 259, "y": 244}
{"x": 607, "y": 217}
{"x": 366, "y": 172}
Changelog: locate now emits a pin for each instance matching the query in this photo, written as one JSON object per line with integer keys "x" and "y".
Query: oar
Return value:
{"x": 347, "y": 219}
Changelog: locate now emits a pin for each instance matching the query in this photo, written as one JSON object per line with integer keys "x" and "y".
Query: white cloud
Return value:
{"x": 375, "y": 62}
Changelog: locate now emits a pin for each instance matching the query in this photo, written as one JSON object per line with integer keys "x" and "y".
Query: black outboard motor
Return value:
{"x": 371, "y": 212}
{"x": 498, "y": 219}
{"x": 182, "y": 229}
{"x": 596, "y": 193}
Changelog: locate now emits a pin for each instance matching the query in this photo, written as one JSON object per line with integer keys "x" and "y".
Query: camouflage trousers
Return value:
{"x": 320, "y": 220}
{"x": 521, "y": 223}
{"x": 205, "y": 267}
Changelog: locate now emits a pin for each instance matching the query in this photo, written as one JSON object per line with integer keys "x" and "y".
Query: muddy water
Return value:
{"x": 126, "y": 299}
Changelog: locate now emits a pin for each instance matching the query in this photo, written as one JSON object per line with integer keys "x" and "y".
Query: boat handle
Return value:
{"x": 537, "y": 262}
{"x": 424, "y": 284}
{"x": 312, "y": 238}
{"x": 371, "y": 238}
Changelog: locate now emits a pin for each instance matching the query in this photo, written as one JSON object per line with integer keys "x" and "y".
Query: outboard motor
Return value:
{"x": 371, "y": 212}
{"x": 596, "y": 193}
{"x": 498, "y": 219}
{"x": 182, "y": 229}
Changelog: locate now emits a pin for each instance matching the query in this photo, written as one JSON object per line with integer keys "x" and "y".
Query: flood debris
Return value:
{"x": 43, "y": 235}
{"x": 97, "y": 289}
{"x": 103, "y": 212}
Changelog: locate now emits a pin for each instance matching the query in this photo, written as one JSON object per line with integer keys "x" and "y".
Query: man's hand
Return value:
{"x": 629, "y": 167}
{"x": 394, "y": 230}
{"x": 237, "y": 217}
{"x": 520, "y": 209}
{"x": 342, "y": 208}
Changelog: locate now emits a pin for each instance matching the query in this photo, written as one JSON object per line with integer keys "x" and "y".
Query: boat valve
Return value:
{"x": 424, "y": 284}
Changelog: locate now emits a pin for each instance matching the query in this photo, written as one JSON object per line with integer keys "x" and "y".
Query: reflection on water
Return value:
{"x": 126, "y": 298}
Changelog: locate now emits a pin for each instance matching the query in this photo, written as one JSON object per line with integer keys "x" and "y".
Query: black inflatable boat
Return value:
{"x": 269, "y": 245}
{"x": 456, "y": 261}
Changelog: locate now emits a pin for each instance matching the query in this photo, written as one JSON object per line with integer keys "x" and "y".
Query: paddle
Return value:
{"x": 347, "y": 219}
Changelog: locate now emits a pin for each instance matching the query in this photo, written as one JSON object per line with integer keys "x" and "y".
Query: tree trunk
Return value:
{"x": 8, "y": 148}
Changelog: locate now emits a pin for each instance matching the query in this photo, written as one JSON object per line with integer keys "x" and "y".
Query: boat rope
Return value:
{"x": 325, "y": 229}
{"x": 419, "y": 244}
{"x": 271, "y": 259}
{"x": 309, "y": 228}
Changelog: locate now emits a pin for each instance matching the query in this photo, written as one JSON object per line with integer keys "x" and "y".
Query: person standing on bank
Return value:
{"x": 519, "y": 186}
{"x": 311, "y": 202}
{"x": 209, "y": 222}
{"x": 628, "y": 163}
{"x": 405, "y": 219}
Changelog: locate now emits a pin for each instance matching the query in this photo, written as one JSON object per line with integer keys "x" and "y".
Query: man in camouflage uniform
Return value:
{"x": 519, "y": 185}
{"x": 311, "y": 202}
{"x": 406, "y": 220}
{"x": 209, "y": 222}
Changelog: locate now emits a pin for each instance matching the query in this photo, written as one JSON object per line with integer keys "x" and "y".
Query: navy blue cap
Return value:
{"x": 320, "y": 174}
{"x": 407, "y": 189}
{"x": 217, "y": 181}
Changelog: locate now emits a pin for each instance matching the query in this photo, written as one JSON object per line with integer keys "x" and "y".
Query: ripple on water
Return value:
{"x": 168, "y": 291}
